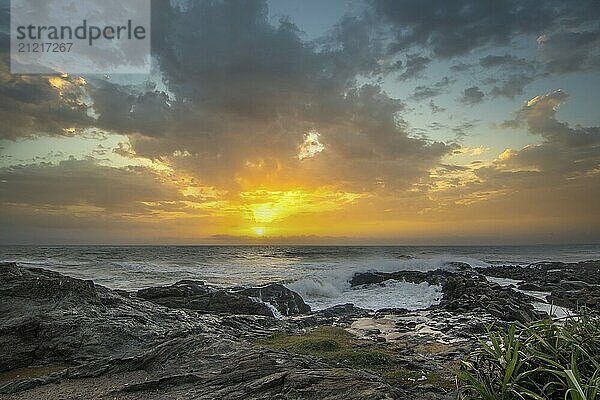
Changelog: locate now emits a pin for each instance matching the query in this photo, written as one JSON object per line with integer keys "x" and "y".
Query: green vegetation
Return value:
{"x": 340, "y": 347}
{"x": 543, "y": 360}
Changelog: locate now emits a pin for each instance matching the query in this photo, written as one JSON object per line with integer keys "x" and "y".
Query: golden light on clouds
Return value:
{"x": 64, "y": 82}
{"x": 311, "y": 145}
{"x": 268, "y": 206}
{"x": 506, "y": 154}
{"x": 57, "y": 82}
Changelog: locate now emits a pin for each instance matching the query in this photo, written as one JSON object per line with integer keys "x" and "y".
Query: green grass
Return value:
{"x": 543, "y": 360}
{"x": 341, "y": 348}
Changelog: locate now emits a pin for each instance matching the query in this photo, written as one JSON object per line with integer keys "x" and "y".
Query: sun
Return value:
{"x": 260, "y": 231}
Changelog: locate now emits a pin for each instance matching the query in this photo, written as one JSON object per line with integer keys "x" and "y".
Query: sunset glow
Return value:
{"x": 341, "y": 128}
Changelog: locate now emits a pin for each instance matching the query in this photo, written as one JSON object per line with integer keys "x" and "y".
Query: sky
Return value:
{"x": 321, "y": 122}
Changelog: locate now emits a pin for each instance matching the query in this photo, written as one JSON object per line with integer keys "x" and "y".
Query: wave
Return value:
{"x": 327, "y": 288}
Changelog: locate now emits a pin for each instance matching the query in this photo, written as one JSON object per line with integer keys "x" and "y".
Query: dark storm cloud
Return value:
{"x": 568, "y": 33}
{"x": 564, "y": 52}
{"x": 472, "y": 95}
{"x": 453, "y": 28}
{"x": 461, "y": 67}
{"x": 127, "y": 110}
{"x": 31, "y": 106}
{"x": 245, "y": 90}
{"x": 242, "y": 90}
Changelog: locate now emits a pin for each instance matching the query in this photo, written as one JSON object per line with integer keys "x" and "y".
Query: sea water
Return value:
{"x": 320, "y": 274}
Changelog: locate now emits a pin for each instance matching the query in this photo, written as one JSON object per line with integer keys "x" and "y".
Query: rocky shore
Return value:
{"x": 66, "y": 338}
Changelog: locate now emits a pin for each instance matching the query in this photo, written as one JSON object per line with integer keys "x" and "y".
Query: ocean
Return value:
{"x": 319, "y": 274}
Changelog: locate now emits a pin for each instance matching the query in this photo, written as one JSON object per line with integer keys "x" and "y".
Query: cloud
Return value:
{"x": 568, "y": 34}
{"x": 435, "y": 108}
{"x": 556, "y": 181}
{"x": 425, "y": 92}
{"x": 75, "y": 182}
{"x": 568, "y": 51}
{"x": 239, "y": 95}
{"x": 463, "y": 129}
{"x": 539, "y": 114}
{"x": 414, "y": 67}
{"x": 32, "y": 105}
{"x": 461, "y": 67}
{"x": 505, "y": 61}
{"x": 246, "y": 93}
{"x": 512, "y": 87}
{"x": 472, "y": 95}
{"x": 240, "y": 108}
{"x": 455, "y": 28}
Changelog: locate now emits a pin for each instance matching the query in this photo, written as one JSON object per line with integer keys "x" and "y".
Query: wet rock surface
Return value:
{"x": 471, "y": 292}
{"x": 370, "y": 278}
{"x": 341, "y": 314}
{"x": 195, "y": 295}
{"x": 569, "y": 284}
{"x": 286, "y": 301}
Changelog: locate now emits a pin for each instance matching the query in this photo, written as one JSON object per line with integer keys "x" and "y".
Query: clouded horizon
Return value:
{"x": 373, "y": 122}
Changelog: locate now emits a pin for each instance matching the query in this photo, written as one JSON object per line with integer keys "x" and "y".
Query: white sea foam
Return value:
{"x": 390, "y": 294}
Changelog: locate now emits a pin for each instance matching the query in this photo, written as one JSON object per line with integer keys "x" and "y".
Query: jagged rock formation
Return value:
{"x": 195, "y": 295}
{"x": 103, "y": 345}
{"x": 464, "y": 291}
{"x": 570, "y": 284}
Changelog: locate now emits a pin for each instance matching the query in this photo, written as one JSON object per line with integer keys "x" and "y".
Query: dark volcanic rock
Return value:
{"x": 111, "y": 346}
{"x": 194, "y": 295}
{"x": 530, "y": 286}
{"x": 457, "y": 265}
{"x": 343, "y": 310}
{"x": 286, "y": 301}
{"x": 49, "y": 317}
{"x": 184, "y": 288}
{"x": 469, "y": 292}
{"x": 369, "y": 278}
{"x": 570, "y": 284}
{"x": 576, "y": 297}
{"x": 548, "y": 275}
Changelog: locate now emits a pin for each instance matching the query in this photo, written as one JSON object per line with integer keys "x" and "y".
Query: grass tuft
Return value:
{"x": 543, "y": 360}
